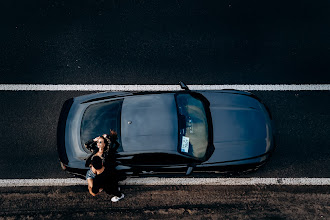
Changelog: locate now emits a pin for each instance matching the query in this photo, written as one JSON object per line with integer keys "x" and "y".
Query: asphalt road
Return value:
{"x": 29, "y": 122}
{"x": 153, "y": 42}
{"x": 162, "y": 42}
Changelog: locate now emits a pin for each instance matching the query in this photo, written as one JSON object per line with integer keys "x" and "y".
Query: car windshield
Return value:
{"x": 193, "y": 127}
{"x": 99, "y": 118}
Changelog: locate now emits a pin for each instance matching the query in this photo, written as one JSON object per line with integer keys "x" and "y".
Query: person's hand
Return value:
{"x": 96, "y": 139}
{"x": 105, "y": 135}
{"x": 112, "y": 132}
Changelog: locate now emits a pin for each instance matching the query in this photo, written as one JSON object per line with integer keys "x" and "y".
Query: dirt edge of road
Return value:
{"x": 168, "y": 202}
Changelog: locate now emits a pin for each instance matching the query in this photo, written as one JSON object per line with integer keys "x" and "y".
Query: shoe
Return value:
{"x": 116, "y": 198}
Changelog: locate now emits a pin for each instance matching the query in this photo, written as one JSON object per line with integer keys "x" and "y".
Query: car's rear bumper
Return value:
{"x": 61, "y": 131}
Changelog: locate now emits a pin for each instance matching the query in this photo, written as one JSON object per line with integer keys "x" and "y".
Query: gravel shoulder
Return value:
{"x": 168, "y": 202}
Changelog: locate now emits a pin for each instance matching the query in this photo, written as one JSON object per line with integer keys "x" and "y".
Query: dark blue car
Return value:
{"x": 169, "y": 131}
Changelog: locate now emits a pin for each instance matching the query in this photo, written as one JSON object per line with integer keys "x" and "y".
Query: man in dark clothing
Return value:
{"x": 104, "y": 178}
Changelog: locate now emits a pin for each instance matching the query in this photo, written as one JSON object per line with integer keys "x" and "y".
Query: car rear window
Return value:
{"x": 99, "y": 118}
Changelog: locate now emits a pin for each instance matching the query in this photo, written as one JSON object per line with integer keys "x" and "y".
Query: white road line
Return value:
{"x": 155, "y": 181}
{"x": 66, "y": 87}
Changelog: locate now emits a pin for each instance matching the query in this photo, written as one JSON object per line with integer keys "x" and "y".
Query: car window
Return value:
{"x": 159, "y": 159}
{"x": 193, "y": 127}
{"x": 99, "y": 118}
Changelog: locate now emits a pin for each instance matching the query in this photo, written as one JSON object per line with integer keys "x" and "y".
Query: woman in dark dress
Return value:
{"x": 104, "y": 146}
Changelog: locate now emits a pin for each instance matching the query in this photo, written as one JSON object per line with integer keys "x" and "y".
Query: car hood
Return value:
{"x": 241, "y": 127}
{"x": 149, "y": 123}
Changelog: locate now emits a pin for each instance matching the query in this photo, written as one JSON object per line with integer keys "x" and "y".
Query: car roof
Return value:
{"x": 149, "y": 123}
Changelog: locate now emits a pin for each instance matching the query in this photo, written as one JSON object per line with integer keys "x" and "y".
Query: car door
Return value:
{"x": 157, "y": 162}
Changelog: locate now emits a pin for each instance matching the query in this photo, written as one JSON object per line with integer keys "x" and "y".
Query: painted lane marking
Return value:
{"x": 76, "y": 87}
{"x": 154, "y": 181}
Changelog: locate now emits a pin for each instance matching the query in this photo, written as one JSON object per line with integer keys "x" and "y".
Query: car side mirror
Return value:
{"x": 189, "y": 170}
{"x": 184, "y": 86}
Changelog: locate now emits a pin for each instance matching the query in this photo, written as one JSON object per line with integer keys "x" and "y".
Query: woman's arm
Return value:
{"x": 89, "y": 160}
{"x": 114, "y": 145}
{"x": 91, "y": 145}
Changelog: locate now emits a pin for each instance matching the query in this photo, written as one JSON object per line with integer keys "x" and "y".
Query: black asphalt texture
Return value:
{"x": 164, "y": 42}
